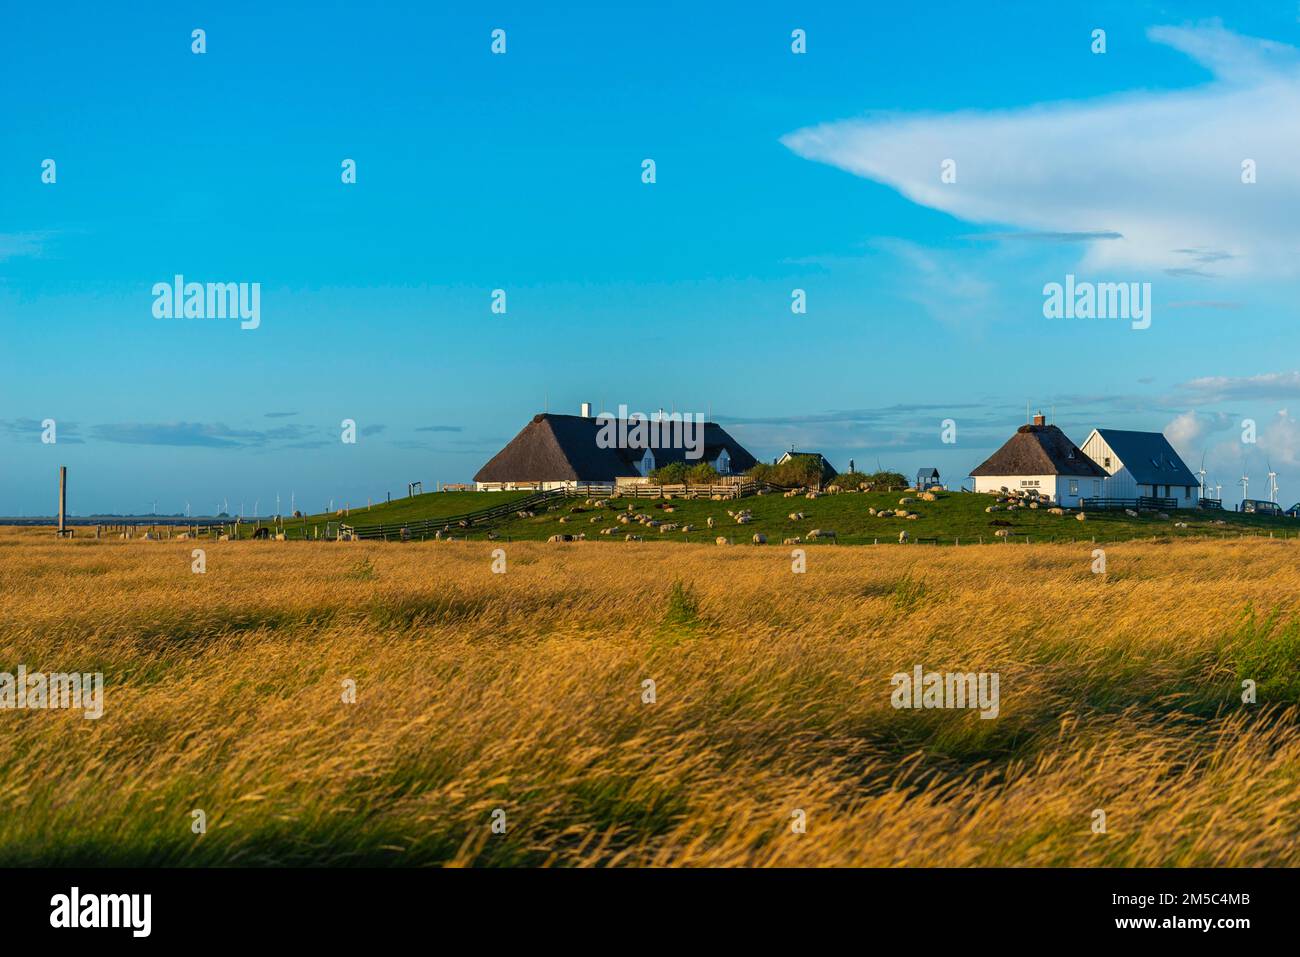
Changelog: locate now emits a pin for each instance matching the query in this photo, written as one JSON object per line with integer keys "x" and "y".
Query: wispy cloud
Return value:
{"x": 1128, "y": 161}
{"x": 1269, "y": 385}
{"x": 14, "y": 245}
{"x": 193, "y": 434}
{"x": 279, "y": 415}
{"x": 65, "y": 432}
{"x": 441, "y": 428}
{"x": 1087, "y": 236}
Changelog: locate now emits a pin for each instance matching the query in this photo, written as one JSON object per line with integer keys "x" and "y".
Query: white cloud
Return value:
{"x": 1268, "y": 385}
{"x": 1163, "y": 169}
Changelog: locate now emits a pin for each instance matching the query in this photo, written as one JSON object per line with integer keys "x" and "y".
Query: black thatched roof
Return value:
{"x": 1040, "y": 450}
{"x": 563, "y": 448}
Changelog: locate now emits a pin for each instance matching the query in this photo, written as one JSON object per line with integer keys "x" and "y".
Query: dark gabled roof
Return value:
{"x": 1149, "y": 456}
{"x": 558, "y": 448}
{"x": 927, "y": 473}
{"x": 1039, "y": 450}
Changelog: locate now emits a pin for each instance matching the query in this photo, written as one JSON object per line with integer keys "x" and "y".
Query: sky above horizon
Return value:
{"x": 522, "y": 171}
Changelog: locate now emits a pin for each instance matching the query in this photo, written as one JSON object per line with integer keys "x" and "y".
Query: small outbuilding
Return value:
{"x": 927, "y": 478}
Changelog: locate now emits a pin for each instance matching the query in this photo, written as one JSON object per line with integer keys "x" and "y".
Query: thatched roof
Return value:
{"x": 563, "y": 448}
{"x": 1040, "y": 450}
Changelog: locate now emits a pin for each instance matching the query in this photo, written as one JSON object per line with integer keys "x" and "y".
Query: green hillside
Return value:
{"x": 955, "y": 518}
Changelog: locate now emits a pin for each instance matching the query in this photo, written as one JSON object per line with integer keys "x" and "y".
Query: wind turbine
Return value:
{"x": 1202, "y": 473}
{"x": 1245, "y": 486}
{"x": 187, "y": 508}
{"x": 256, "y": 502}
{"x": 1272, "y": 483}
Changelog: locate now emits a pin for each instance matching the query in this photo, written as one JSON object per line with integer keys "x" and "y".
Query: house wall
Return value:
{"x": 1056, "y": 487}
{"x": 1123, "y": 484}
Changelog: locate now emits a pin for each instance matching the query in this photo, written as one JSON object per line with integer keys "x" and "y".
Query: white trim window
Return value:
{"x": 1074, "y": 486}
{"x": 723, "y": 464}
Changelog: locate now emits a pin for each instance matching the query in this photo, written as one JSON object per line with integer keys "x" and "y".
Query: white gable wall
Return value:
{"x": 1061, "y": 489}
{"x": 1123, "y": 484}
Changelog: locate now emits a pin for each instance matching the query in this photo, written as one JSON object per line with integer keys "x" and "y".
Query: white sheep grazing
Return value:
{"x": 793, "y": 541}
{"x": 720, "y": 540}
{"x": 710, "y": 521}
{"x": 760, "y": 539}
{"x": 795, "y": 516}
{"x": 902, "y": 537}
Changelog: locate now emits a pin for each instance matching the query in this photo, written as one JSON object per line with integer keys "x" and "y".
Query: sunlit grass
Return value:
{"x": 523, "y": 691}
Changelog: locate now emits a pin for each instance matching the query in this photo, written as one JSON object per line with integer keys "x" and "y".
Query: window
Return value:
{"x": 1108, "y": 461}
{"x": 1029, "y": 483}
{"x": 1074, "y": 486}
{"x": 1096, "y": 487}
{"x": 723, "y": 464}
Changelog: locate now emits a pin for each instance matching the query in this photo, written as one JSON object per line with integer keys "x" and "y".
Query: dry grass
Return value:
{"x": 522, "y": 692}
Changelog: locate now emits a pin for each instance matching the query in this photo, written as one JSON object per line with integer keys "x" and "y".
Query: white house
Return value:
{"x": 1041, "y": 458}
{"x": 1142, "y": 464}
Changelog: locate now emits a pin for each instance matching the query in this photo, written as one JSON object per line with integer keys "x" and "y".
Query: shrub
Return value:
{"x": 674, "y": 473}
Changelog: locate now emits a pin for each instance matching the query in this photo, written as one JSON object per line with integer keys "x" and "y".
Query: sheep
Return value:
{"x": 902, "y": 537}
{"x": 821, "y": 533}
{"x": 631, "y": 538}
{"x": 560, "y": 538}
{"x": 1130, "y": 513}
{"x": 687, "y": 528}
{"x": 710, "y": 521}
{"x": 833, "y": 490}
{"x": 1002, "y": 532}
{"x": 1180, "y": 524}
{"x": 912, "y": 516}
{"x": 813, "y": 495}
{"x": 793, "y": 541}
{"x": 722, "y": 540}
{"x": 795, "y": 516}
{"x": 928, "y": 497}
{"x": 1081, "y": 517}
{"x": 759, "y": 538}
{"x": 1056, "y": 511}
{"x": 905, "y": 500}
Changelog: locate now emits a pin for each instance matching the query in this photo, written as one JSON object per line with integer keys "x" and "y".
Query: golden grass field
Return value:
{"x": 523, "y": 691}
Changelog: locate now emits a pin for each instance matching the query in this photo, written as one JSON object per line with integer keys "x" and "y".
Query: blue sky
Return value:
{"x": 522, "y": 171}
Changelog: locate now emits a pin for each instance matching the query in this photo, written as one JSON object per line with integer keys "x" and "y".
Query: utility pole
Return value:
{"x": 63, "y": 499}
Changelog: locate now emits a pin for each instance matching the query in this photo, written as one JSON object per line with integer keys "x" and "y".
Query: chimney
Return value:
{"x": 1038, "y": 419}
{"x": 586, "y": 410}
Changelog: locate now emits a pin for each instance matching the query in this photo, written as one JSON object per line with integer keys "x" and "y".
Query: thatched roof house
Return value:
{"x": 1041, "y": 458}
{"x": 554, "y": 449}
